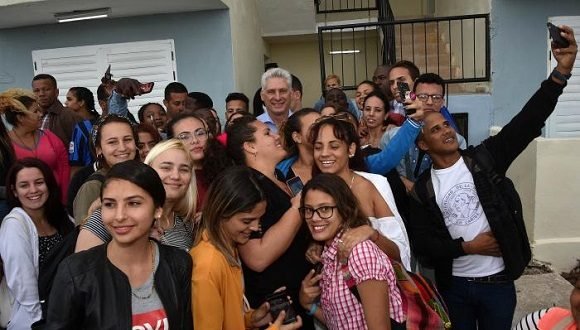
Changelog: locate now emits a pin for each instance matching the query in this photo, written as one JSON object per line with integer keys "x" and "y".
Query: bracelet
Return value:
{"x": 375, "y": 236}
{"x": 313, "y": 309}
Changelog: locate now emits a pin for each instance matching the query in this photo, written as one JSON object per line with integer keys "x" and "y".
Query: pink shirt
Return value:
{"x": 366, "y": 262}
{"x": 50, "y": 150}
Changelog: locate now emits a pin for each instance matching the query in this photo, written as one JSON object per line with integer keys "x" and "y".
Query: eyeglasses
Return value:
{"x": 435, "y": 97}
{"x": 199, "y": 134}
{"x": 324, "y": 212}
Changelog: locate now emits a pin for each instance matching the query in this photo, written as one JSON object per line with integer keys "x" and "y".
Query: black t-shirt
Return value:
{"x": 291, "y": 267}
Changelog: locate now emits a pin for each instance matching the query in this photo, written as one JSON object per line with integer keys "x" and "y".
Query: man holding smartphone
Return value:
{"x": 466, "y": 216}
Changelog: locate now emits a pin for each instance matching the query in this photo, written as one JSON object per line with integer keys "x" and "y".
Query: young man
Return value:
{"x": 236, "y": 102}
{"x": 175, "y": 98}
{"x": 467, "y": 221}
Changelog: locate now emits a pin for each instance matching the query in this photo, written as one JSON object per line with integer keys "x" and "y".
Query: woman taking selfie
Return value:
{"x": 115, "y": 141}
{"x": 131, "y": 282}
{"x": 329, "y": 208}
{"x": 37, "y": 223}
{"x": 175, "y": 227}
{"x": 235, "y": 204}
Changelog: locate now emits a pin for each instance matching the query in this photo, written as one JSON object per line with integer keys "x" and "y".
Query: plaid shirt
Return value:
{"x": 366, "y": 262}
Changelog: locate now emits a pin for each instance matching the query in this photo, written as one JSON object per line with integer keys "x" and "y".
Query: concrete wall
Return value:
{"x": 202, "y": 43}
{"x": 547, "y": 179}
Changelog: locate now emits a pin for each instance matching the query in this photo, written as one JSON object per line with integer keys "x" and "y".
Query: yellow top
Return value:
{"x": 217, "y": 291}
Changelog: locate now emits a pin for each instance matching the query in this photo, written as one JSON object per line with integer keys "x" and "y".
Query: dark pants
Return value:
{"x": 480, "y": 305}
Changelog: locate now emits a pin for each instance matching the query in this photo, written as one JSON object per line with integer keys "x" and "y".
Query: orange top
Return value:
{"x": 557, "y": 318}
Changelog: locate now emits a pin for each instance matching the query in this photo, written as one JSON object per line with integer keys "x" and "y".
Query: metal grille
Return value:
{"x": 342, "y": 6}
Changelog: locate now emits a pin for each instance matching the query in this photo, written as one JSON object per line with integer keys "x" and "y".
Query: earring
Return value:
{"x": 351, "y": 155}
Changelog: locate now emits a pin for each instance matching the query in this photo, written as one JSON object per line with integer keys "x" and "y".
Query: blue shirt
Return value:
{"x": 266, "y": 119}
{"x": 79, "y": 149}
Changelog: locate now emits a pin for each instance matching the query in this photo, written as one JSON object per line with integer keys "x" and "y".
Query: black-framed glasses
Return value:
{"x": 435, "y": 97}
{"x": 324, "y": 212}
{"x": 199, "y": 134}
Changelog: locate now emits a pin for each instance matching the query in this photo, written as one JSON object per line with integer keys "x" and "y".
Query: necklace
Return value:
{"x": 24, "y": 145}
{"x": 133, "y": 291}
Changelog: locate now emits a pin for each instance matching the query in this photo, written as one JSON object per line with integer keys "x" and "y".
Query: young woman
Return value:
{"x": 235, "y": 205}
{"x": 374, "y": 116}
{"x": 209, "y": 156}
{"x": 36, "y": 224}
{"x": 81, "y": 101}
{"x": 148, "y": 138}
{"x": 115, "y": 141}
{"x": 283, "y": 239}
{"x": 175, "y": 227}
{"x": 337, "y": 151}
{"x": 363, "y": 89}
{"x": 131, "y": 282}
{"x": 28, "y": 140}
{"x": 7, "y": 156}
{"x": 329, "y": 208}
{"x": 154, "y": 115}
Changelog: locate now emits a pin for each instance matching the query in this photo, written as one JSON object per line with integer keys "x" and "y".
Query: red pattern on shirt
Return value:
{"x": 366, "y": 261}
{"x": 156, "y": 320}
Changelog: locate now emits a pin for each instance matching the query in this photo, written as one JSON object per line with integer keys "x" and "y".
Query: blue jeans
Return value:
{"x": 476, "y": 305}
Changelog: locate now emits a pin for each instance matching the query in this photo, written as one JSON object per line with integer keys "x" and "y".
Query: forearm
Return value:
{"x": 393, "y": 152}
{"x": 387, "y": 246}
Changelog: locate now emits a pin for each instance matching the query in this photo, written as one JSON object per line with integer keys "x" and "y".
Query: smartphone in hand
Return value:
{"x": 556, "y": 36}
{"x": 279, "y": 302}
{"x": 295, "y": 185}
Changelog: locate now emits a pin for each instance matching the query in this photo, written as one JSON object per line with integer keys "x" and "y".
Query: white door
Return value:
{"x": 565, "y": 121}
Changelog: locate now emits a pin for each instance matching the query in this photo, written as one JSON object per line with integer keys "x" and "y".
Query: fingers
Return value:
{"x": 280, "y": 319}
{"x": 280, "y": 289}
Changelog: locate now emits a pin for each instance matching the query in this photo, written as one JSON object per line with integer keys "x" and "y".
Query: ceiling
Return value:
{"x": 16, "y": 13}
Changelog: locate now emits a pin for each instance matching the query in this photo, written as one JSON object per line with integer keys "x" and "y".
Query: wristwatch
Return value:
{"x": 560, "y": 76}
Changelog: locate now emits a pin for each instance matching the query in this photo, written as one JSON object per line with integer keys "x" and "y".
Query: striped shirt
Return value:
{"x": 180, "y": 235}
{"x": 366, "y": 262}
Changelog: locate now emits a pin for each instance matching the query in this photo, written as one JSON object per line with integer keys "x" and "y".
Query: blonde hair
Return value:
{"x": 188, "y": 204}
{"x": 9, "y": 100}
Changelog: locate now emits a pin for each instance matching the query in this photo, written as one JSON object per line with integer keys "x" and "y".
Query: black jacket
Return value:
{"x": 89, "y": 292}
{"x": 429, "y": 235}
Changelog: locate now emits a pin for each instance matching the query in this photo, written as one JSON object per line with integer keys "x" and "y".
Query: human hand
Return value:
{"x": 566, "y": 56}
{"x": 314, "y": 252}
{"x": 156, "y": 231}
{"x": 414, "y": 108}
{"x": 128, "y": 88}
{"x": 408, "y": 184}
{"x": 94, "y": 206}
{"x": 483, "y": 244}
{"x": 261, "y": 316}
{"x": 352, "y": 237}
{"x": 295, "y": 201}
{"x": 291, "y": 326}
{"x": 309, "y": 290}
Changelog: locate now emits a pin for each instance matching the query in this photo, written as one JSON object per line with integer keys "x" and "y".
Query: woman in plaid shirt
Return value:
{"x": 359, "y": 292}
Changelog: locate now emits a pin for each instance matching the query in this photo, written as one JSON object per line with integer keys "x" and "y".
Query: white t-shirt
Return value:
{"x": 464, "y": 217}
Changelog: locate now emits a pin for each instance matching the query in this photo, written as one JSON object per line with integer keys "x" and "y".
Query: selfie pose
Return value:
{"x": 132, "y": 282}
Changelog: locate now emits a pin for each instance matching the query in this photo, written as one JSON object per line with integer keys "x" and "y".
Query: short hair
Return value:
{"x": 102, "y": 93}
{"x": 239, "y": 132}
{"x": 296, "y": 84}
{"x": 186, "y": 207}
{"x": 276, "y": 73}
{"x": 234, "y": 191}
{"x": 238, "y": 97}
{"x": 45, "y": 76}
{"x": 139, "y": 174}
{"x": 202, "y": 100}
{"x": 294, "y": 124}
{"x": 345, "y": 201}
{"x": 337, "y": 97}
{"x": 55, "y": 212}
{"x": 141, "y": 112}
{"x": 429, "y": 78}
{"x": 332, "y": 76}
{"x": 174, "y": 87}
{"x": 410, "y": 66}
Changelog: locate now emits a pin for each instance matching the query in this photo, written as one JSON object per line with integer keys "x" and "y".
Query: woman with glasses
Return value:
{"x": 337, "y": 151}
{"x": 233, "y": 211}
{"x": 22, "y": 111}
{"x": 115, "y": 141}
{"x": 209, "y": 156}
{"x": 175, "y": 226}
{"x": 274, "y": 255}
{"x": 359, "y": 292}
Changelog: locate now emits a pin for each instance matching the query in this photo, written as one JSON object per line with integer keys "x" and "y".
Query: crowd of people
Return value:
{"x": 286, "y": 217}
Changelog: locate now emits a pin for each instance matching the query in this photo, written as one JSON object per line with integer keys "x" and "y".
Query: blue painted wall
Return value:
{"x": 202, "y": 45}
{"x": 478, "y": 107}
{"x": 519, "y": 50}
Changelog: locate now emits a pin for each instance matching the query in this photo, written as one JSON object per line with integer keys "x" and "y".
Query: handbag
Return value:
{"x": 6, "y": 302}
{"x": 423, "y": 305}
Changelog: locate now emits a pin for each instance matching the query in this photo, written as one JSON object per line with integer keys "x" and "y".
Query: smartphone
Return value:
{"x": 404, "y": 90}
{"x": 318, "y": 268}
{"x": 146, "y": 87}
{"x": 557, "y": 37}
{"x": 279, "y": 302}
{"x": 295, "y": 185}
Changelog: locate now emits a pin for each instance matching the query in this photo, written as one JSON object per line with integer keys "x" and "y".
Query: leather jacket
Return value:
{"x": 89, "y": 292}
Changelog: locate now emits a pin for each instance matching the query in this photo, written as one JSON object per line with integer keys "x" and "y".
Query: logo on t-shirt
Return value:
{"x": 461, "y": 205}
{"x": 153, "y": 320}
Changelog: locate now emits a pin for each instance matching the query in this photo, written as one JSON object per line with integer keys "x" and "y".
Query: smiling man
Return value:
{"x": 466, "y": 216}
{"x": 276, "y": 89}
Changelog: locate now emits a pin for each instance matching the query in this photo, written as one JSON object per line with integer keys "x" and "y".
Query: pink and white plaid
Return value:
{"x": 366, "y": 262}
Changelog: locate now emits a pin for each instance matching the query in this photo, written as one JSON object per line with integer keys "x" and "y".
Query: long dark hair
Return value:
{"x": 233, "y": 191}
{"x": 85, "y": 94}
{"x": 294, "y": 124}
{"x": 53, "y": 209}
{"x": 140, "y": 175}
{"x": 96, "y": 135}
{"x": 239, "y": 132}
{"x": 346, "y": 202}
